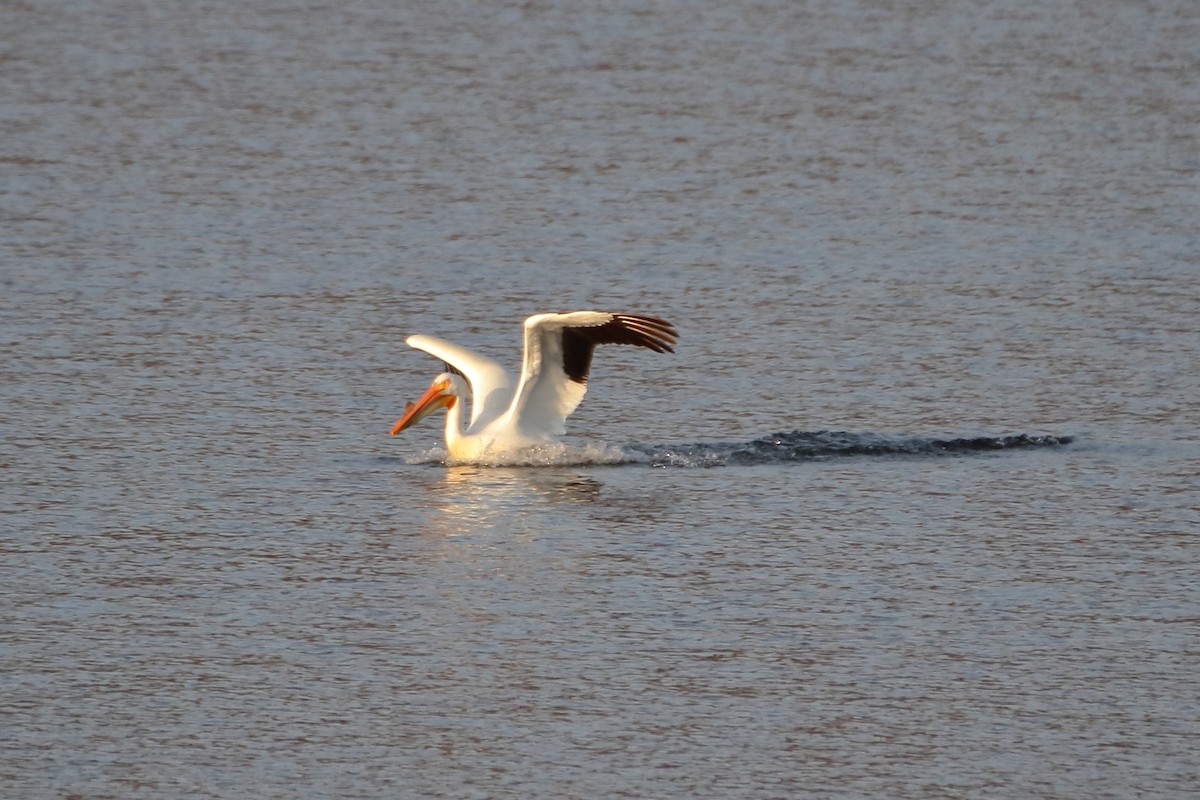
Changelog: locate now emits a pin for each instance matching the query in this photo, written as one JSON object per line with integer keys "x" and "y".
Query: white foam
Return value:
{"x": 551, "y": 455}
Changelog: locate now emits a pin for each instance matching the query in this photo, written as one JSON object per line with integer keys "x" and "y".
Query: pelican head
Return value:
{"x": 442, "y": 393}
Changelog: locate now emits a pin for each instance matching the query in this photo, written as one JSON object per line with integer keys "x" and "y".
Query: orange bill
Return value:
{"x": 431, "y": 401}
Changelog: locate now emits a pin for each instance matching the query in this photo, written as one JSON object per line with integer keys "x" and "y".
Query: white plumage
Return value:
{"x": 509, "y": 414}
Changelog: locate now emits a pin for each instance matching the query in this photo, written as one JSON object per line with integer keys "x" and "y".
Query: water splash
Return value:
{"x": 774, "y": 449}
{"x": 551, "y": 455}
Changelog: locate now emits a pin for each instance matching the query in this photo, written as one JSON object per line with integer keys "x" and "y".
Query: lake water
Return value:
{"x": 897, "y": 223}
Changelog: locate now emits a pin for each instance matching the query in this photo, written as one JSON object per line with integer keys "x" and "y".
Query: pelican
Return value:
{"x": 510, "y": 415}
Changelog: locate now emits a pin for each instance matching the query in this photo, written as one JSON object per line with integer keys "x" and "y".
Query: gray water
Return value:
{"x": 907, "y": 222}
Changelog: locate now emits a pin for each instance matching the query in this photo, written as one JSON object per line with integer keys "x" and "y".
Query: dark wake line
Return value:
{"x": 779, "y": 448}
{"x": 811, "y": 446}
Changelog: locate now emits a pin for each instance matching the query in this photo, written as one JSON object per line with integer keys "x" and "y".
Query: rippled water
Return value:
{"x": 792, "y": 559}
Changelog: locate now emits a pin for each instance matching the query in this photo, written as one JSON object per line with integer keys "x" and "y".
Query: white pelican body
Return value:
{"x": 511, "y": 414}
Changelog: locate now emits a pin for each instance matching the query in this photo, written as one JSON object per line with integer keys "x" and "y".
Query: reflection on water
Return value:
{"x": 471, "y": 500}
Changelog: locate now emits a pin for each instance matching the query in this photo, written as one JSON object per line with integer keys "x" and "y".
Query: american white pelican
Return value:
{"x": 507, "y": 414}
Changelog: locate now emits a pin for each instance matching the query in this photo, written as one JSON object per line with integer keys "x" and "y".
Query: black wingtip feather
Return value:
{"x": 632, "y": 329}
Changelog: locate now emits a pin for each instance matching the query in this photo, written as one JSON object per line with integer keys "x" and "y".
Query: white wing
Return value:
{"x": 491, "y": 384}
{"x": 558, "y": 354}
{"x": 546, "y": 396}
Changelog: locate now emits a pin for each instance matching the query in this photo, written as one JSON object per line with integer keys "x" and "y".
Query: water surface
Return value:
{"x": 877, "y": 229}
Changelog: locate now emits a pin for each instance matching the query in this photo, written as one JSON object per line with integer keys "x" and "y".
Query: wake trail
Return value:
{"x": 777, "y": 448}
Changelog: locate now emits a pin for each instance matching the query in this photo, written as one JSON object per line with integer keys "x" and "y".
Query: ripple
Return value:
{"x": 809, "y": 446}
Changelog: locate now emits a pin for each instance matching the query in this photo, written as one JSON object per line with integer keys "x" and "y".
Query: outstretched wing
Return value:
{"x": 491, "y": 384}
{"x": 558, "y": 355}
